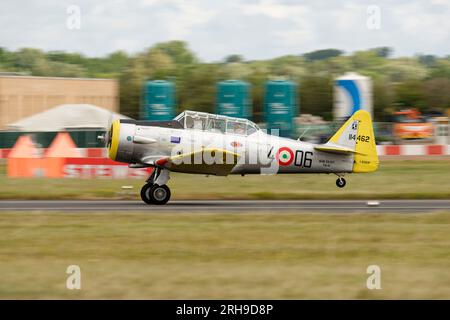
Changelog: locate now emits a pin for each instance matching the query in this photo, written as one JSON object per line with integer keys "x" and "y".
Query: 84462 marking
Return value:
{"x": 361, "y": 138}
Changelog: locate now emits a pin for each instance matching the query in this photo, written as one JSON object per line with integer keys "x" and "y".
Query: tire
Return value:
{"x": 340, "y": 182}
{"x": 159, "y": 194}
{"x": 145, "y": 193}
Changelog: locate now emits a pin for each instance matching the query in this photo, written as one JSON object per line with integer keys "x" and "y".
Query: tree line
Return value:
{"x": 421, "y": 81}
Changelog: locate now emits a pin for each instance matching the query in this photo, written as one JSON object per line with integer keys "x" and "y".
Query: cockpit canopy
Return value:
{"x": 215, "y": 123}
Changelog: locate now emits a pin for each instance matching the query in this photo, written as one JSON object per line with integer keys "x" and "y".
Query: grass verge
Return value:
{"x": 394, "y": 180}
{"x": 231, "y": 256}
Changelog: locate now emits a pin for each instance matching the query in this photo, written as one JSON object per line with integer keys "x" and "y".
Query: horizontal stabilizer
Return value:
{"x": 334, "y": 149}
{"x": 355, "y": 137}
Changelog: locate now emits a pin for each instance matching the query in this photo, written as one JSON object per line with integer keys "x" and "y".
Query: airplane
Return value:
{"x": 209, "y": 144}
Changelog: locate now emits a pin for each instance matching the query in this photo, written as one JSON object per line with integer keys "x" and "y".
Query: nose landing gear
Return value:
{"x": 155, "y": 191}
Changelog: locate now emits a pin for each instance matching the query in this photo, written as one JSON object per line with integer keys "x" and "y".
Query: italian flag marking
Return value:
{"x": 285, "y": 156}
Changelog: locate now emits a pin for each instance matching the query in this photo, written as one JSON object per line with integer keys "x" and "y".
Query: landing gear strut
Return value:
{"x": 340, "y": 182}
{"x": 155, "y": 190}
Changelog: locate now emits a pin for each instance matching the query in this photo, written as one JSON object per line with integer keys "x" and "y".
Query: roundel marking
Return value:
{"x": 285, "y": 156}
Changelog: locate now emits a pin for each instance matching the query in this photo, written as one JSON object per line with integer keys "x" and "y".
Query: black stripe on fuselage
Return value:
{"x": 164, "y": 124}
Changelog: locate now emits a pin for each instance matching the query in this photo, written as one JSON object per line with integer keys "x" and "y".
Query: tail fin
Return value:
{"x": 366, "y": 157}
{"x": 345, "y": 136}
{"x": 357, "y": 135}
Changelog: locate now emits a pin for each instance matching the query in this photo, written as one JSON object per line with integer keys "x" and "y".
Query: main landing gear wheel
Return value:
{"x": 159, "y": 194}
{"x": 340, "y": 182}
{"x": 155, "y": 190}
{"x": 155, "y": 194}
{"x": 145, "y": 193}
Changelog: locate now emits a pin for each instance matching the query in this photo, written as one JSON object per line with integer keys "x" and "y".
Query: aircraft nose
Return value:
{"x": 113, "y": 140}
{"x": 105, "y": 138}
{"x": 102, "y": 138}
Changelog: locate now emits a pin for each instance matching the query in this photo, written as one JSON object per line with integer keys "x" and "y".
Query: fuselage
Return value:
{"x": 202, "y": 143}
{"x": 258, "y": 151}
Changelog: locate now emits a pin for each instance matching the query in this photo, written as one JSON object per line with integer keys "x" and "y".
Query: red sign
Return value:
{"x": 101, "y": 168}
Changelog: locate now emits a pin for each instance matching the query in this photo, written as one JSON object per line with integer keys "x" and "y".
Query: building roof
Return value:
{"x": 67, "y": 116}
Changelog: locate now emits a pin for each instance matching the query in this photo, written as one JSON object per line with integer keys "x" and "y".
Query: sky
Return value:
{"x": 256, "y": 29}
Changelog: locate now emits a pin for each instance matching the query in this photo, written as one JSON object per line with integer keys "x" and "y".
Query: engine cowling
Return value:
{"x": 120, "y": 142}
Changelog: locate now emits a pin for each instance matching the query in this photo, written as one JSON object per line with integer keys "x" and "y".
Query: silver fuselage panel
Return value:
{"x": 259, "y": 153}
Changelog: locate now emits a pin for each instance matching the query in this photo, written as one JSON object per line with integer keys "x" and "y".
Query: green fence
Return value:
{"x": 82, "y": 138}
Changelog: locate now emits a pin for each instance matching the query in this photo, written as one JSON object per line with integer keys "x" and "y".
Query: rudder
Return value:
{"x": 366, "y": 157}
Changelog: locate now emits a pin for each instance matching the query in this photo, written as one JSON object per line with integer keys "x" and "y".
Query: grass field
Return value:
{"x": 199, "y": 255}
{"x": 394, "y": 180}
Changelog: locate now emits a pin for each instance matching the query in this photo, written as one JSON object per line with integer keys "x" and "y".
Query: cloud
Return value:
{"x": 179, "y": 16}
{"x": 295, "y": 18}
{"x": 257, "y": 29}
{"x": 273, "y": 9}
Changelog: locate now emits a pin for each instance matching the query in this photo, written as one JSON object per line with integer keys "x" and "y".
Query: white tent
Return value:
{"x": 67, "y": 116}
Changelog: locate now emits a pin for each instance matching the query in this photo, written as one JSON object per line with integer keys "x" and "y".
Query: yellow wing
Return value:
{"x": 205, "y": 161}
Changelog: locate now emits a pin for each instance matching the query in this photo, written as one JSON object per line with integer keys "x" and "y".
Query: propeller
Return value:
{"x": 105, "y": 138}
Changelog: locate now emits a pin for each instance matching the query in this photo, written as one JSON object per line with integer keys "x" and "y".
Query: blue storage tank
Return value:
{"x": 158, "y": 100}
{"x": 281, "y": 106}
{"x": 233, "y": 99}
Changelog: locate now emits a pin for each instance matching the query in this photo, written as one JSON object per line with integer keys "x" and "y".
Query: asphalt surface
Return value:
{"x": 274, "y": 206}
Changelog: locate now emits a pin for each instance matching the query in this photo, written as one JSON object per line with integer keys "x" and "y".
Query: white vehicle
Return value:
{"x": 202, "y": 143}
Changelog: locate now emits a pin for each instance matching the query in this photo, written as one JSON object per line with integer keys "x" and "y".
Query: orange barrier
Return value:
{"x": 62, "y": 159}
{"x": 24, "y": 159}
{"x": 61, "y": 147}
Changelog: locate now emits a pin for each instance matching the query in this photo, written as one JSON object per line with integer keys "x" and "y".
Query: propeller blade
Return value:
{"x": 106, "y": 137}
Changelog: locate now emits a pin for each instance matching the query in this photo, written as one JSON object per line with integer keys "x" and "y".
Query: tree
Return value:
{"x": 382, "y": 98}
{"x": 422, "y": 81}
{"x": 258, "y": 75}
{"x": 410, "y": 94}
{"x": 316, "y": 96}
{"x": 61, "y": 56}
{"x": 427, "y": 60}
{"x": 131, "y": 82}
{"x": 441, "y": 69}
{"x": 322, "y": 54}
{"x": 152, "y": 64}
{"x": 405, "y": 69}
{"x": 383, "y": 52}
{"x": 178, "y": 51}
{"x": 367, "y": 60}
{"x": 26, "y": 58}
{"x": 234, "y": 58}
{"x": 197, "y": 91}
{"x": 44, "y": 68}
{"x": 234, "y": 71}
{"x": 291, "y": 67}
{"x": 437, "y": 93}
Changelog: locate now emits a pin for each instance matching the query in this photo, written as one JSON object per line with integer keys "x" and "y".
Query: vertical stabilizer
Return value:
{"x": 366, "y": 157}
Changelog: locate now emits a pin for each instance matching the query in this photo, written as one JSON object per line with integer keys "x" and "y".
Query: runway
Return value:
{"x": 268, "y": 206}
